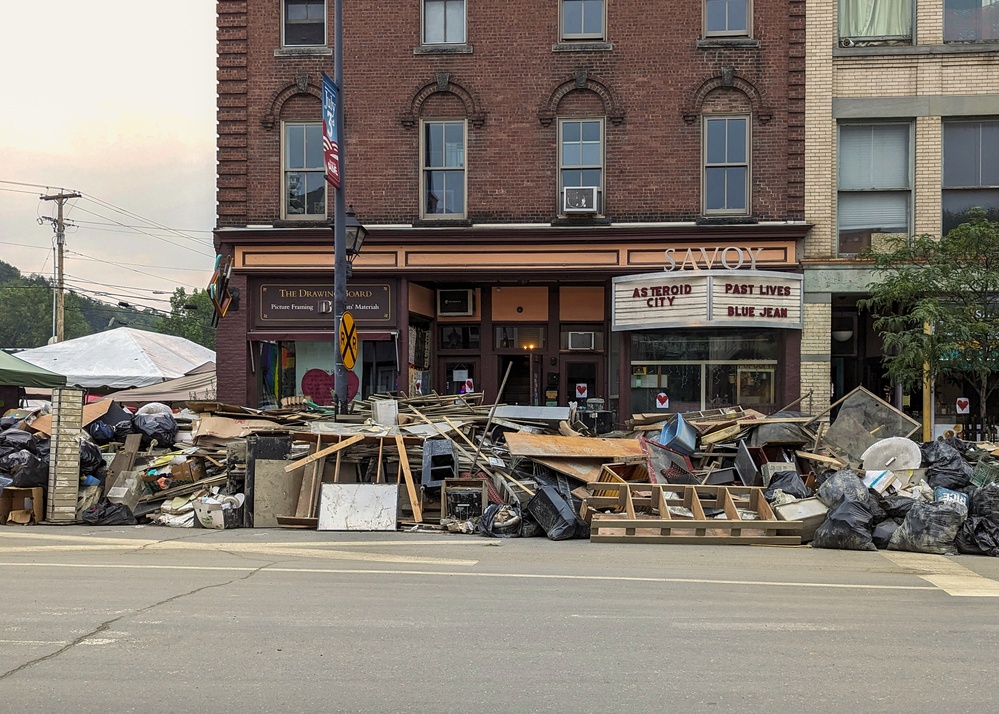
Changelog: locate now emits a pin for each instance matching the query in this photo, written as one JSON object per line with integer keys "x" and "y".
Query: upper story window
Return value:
{"x": 970, "y": 170}
{"x": 874, "y": 183}
{"x": 581, "y": 160}
{"x": 874, "y": 20}
{"x": 304, "y": 173}
{"x": 304, "y": 23}
{"x": 971, "y": 20}
{"x": 726, "y": 165}
{"x": 727, "y": 18}
{"x": 583, "y": 19}
{"x": 443, "y": 22}
{"x": 443, "y": 172}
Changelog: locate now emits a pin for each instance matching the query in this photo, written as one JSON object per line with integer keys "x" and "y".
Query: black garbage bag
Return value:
{"x": 100, "y": 431}
{"x": 874, "y": 503}
{"x": 9, "y": 422}
{"x": 980, "y": 533}
{"x": 121, "y": 430}
{"x": 844, "y": 484}
{"x": 161, "y": 427}
{"x": 848, "y": 526}
{"x": 883, "y": 532}
{"x": 26, "y": 469}
{"x": 790, "y": 483}
{"x": 930, "y": 528}
{"x": 91, "y": 460}
{"x": 955, "y": 443}
{"x": 945, "y": 466}
{"x": 531, "y": 528}
{"x": 18, "y": 439}
{"x": 106, "y": 513}
{"x": 501, "y": 520}
{"x": 896, "y": 506}
{"x": 985, "y": 502}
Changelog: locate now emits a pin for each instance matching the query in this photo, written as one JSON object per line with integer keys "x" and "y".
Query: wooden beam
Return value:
{"x": 414, "y": 500}
{"x": 322, "y": 453}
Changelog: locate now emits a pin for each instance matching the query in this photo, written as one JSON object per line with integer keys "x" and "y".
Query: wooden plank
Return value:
{"x": 839, "y": 463}
{"x": 378, "y": 473}
{"x": 414, "y": 500}
{"x": 306, "y": 507}
{"x": 296, "y": 522}
{"x": 322, "y": 453}
{"x": 579, "y": 469}
{"x": 578, "y": 447}
{"x": 124, "y": 460}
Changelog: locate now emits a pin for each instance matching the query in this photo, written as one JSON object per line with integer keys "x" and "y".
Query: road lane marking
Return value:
{"x": 466, "y": 574}
{"x": 189, "y": 542}
{"x": 264, "y": 549}
{"x": 952, "y": 578}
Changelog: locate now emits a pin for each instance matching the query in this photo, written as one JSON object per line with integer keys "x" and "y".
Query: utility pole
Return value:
{"x": 339, "y": 219}
{"x": 60, "y": 229}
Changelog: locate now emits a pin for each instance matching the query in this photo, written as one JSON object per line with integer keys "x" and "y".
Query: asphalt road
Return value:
{"x": 149, "y": 619}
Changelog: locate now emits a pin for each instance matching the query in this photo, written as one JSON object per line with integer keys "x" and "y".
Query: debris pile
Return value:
{"x": 848, "y": 478}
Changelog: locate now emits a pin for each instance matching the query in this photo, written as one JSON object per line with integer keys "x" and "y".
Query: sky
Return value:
{"x": 115, "y": 100}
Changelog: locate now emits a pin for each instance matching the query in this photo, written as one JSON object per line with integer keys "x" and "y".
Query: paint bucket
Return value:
{"x": 678, "y": 435}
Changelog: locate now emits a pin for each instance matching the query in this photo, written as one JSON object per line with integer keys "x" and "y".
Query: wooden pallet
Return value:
{"x": 644, "y": 517}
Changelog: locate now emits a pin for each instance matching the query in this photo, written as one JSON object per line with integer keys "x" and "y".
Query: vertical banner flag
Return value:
{"x": 331, "y": 150}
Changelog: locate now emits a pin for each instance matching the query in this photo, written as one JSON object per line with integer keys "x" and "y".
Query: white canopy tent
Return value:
{"x": 120, "y": 358}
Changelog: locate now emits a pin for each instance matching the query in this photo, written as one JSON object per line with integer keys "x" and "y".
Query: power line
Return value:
{"x": 185, "y": 230}
{"x": 151, "y": 235}
{"x": 131, "y": 214}
{"x": 140, "y": 265}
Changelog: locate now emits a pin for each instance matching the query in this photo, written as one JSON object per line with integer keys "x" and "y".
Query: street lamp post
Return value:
{"x": 348, "y": 234}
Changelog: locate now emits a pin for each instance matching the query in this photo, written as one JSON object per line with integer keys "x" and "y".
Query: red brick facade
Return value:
{"x": 656, "y": 79}
{"x": 651, "y": 80}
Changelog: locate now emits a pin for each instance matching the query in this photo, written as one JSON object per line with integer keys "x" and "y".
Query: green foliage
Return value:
{"x": 26, "y": 315}
{"x": 936, "y": 306}
{"x": 190, "y": 317}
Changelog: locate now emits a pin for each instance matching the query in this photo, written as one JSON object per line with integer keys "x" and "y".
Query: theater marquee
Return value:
{"x": 707, "y": 298}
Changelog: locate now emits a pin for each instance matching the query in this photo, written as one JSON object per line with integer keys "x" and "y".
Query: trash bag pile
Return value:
{"x": 948, "y": 506}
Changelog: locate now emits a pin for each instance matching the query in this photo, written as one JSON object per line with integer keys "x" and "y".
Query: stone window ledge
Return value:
{"x": 303, "y": 52}
{"x": 443, "y": 50}
{"x": 583, "y": 47}
{"x": 742, "y": 43}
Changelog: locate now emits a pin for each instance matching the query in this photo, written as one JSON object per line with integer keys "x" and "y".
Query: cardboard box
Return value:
{"x": 14, "y": 499}
{"x": 211, "y": 514}
{"x": 190, "y": 470}
{"x": 127, "y": 488}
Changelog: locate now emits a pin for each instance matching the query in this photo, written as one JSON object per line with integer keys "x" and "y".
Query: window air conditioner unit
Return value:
{"x": 455, "y": 303}
{"x": 581, "y": 341}
{"x": 579, "y": 199}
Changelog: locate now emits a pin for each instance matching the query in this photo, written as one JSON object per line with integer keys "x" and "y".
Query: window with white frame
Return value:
{"x": 304, "y": 172}
{"x": 727, "y": 18}
{"x": 443, "y": 22}
{"x": 443, "y": 169}
{"x": 970, "y": 170}
{"x": 581, "y": 157}
{"x": 971, "y": 20}
{"x": 304, "y": 23}
{"x": 874, "y": 20}
{"x": 725, "y": 187}
{"x": 873, "y": 183}
{"x": 582, "y": 19}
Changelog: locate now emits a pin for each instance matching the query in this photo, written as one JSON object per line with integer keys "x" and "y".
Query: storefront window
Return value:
{"x": 460, "y": 337}
{"x": 521, "y": 337}
{"x": 704, "y": 369}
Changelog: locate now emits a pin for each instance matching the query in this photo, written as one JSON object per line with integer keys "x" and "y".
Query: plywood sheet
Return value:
{"x": 275, "y": 493}
{"x": 571, "y": 447}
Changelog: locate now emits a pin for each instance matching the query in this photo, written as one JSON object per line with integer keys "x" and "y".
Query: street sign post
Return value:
{"x": 348, "y": 340}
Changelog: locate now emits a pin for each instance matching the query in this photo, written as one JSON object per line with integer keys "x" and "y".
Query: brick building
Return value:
{"x": 603, "y": 198}
{"x": 902, "y": 137}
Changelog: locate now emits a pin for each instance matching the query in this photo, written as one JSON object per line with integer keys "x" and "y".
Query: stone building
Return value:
{"x": 902, "y": 136}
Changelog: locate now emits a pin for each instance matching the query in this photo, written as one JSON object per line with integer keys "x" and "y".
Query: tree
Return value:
{"x": 936, "y": 306}
{"x": 26, "y": 318}
{"x": 190, "y": 317}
